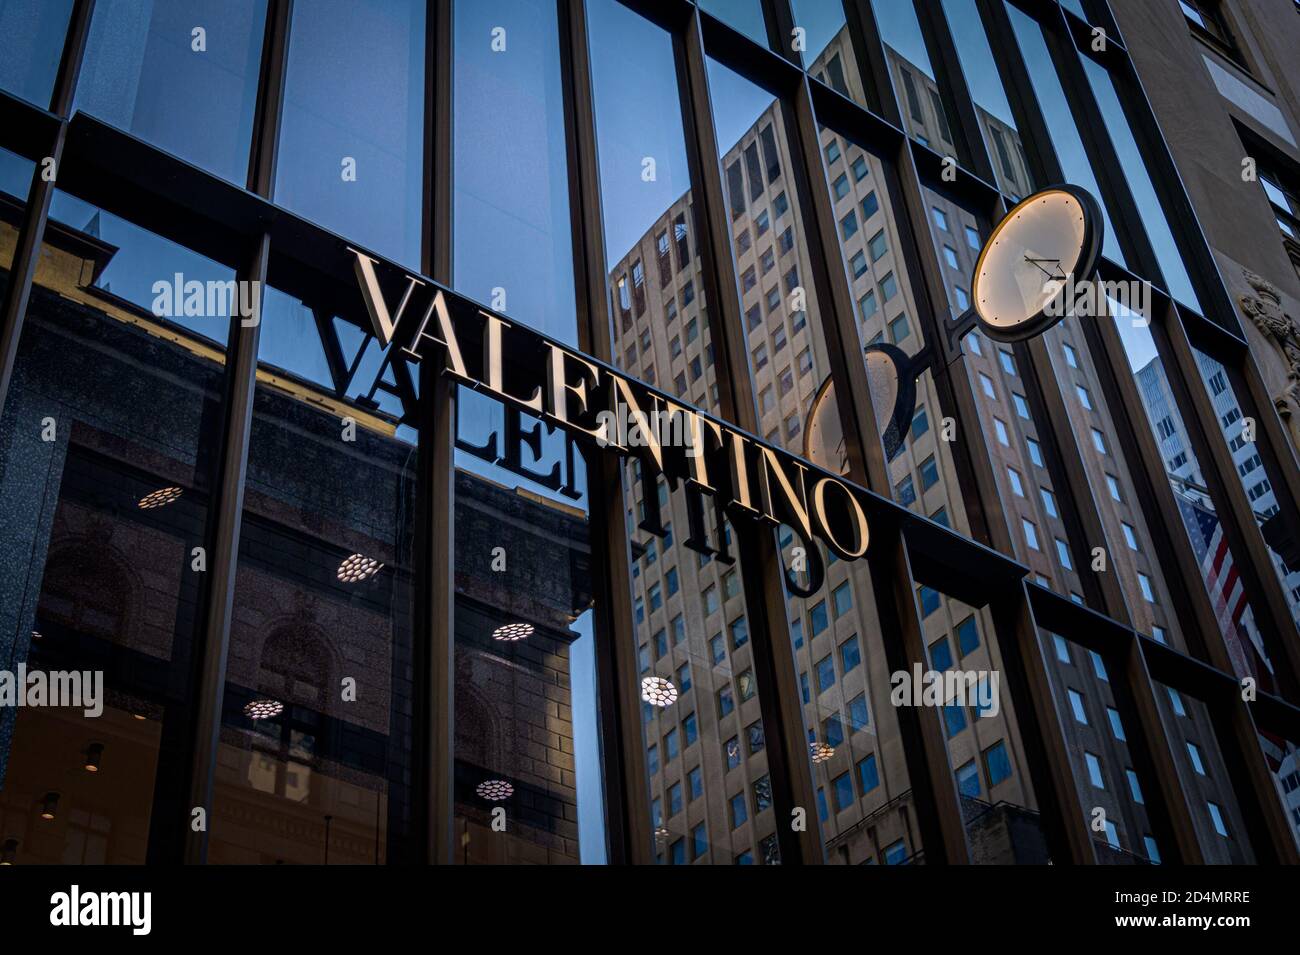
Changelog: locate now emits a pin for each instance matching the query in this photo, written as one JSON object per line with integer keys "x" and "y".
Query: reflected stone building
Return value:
{"x": 103, "y": 522}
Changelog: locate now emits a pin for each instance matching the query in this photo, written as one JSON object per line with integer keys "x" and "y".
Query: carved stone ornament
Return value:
{"x": 1264, "y": 308}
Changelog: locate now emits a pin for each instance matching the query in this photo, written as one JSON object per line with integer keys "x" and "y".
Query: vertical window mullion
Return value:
{"x": 226, "y": 515}
{"x": 31, "y": 236}
{"x": 1041, "y": 732}
{"x": 627, "y": 822}
{"x": 761, "y": 571}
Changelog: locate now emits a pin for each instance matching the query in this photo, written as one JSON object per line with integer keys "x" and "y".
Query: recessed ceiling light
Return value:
{"x": 513, "y": 631}
{"x": 657, "y": 691}
{"x": 37, "y": 635}
{"x": 263, "y": 709}
{"x": 494, "y": 790}
{"x": 49, "y": 805}
{"x": 94, "y": 753}
{"x": 160, "y": 498}
{"x": 661, "y": 832}
{"x": 821, "y": 751}
{"x": 357, "y": 568}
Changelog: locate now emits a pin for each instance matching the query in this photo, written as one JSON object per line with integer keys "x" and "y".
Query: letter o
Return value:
{"x": 819, "y": 505}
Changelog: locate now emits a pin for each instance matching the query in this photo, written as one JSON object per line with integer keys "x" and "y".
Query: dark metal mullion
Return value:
{"x": 225, "y": 516}
{"x": 31, "y": 235}
{"x": 779, "y": 17}
{"x": 629, "y": 836}
{"x": 873, "y": 65}
{"x": 1236, "y": 516}
{"x": 761, "y": 566}
{"x": 433, "y": 591}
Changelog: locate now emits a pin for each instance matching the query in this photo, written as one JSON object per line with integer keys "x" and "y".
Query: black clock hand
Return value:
{"x": 1034, "y": 262}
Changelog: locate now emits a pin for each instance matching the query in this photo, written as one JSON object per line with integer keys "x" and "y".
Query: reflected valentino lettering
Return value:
{"x": 743, "y": 476}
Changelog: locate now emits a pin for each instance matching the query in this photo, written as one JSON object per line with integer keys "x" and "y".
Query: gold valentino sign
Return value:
{"x": 718, "y": 466}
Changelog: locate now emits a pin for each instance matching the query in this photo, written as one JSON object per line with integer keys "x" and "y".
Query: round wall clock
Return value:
{"x": 1049, "y": 240}
{"x": 892, "y": 381}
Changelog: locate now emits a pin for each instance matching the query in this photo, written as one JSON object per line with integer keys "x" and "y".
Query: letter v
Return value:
{"x": 383, "y": 323}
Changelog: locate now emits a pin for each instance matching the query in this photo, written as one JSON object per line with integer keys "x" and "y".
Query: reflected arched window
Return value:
{"x": 295, "y": 663}
{"x": 86, "y": 590}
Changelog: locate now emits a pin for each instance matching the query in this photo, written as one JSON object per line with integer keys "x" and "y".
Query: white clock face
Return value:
{"x": 824, "y": 435}
{"x": 1028, "y": 259}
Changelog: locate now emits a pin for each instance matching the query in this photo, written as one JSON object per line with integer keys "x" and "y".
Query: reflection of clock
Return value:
{"x": 892, "y": 382}
{"x": 1049, "y": 239}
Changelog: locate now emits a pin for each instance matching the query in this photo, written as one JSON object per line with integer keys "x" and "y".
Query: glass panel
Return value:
{"x": 981, "y": 731}
{"x": 922, "y": 472}
{"x": 15, "y": 182}
{"x": 1097, "y": 741}
{"x": 915, "y": 81}
{"x": 789, "y": 357}
{"x": 828, "y": 51}
{"x": 1283, "y": 758}
{"x": 508, "y": 106}
{"x": 1201, "y": 522}
{"x": 1139, "y": 182}
{"x": 1258, "y": 488}
{"x": 31, "y": 44}
{"x": 526, "y": 721}
{"x": 106, "y": 444}
{"x": 199, "y": 301}
{"x": 1070, "y": 151}
{"x": 705, "y": 750}
{"x": 1001, "y": 136}
{"x": 745, "y": 15}
{"x": 1203, "y": 775}
{"x": 1015, "y": 439}
{"x": 180, "y": 76}
{"x": 352, "y": 146}
{"x": 314, "y": 763}
{"x": 1129, "y": 550}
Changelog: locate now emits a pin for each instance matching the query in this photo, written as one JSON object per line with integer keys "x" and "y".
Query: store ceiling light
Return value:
{"x": 160, "y": 498}
{"x": 94, "y": 753}
{"x": 821, "y": 751}
{"x": 263, "y": 709}
{"x": 357, "y": 568}
{"x": 49, "y": 805}
{"x": 657, "y": 691}
{"x": 513, "y": 631}
{"x": 494, "y": 790}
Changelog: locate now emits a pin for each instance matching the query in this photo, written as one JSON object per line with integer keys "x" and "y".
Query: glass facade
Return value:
{"x": 358, "y": 612}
